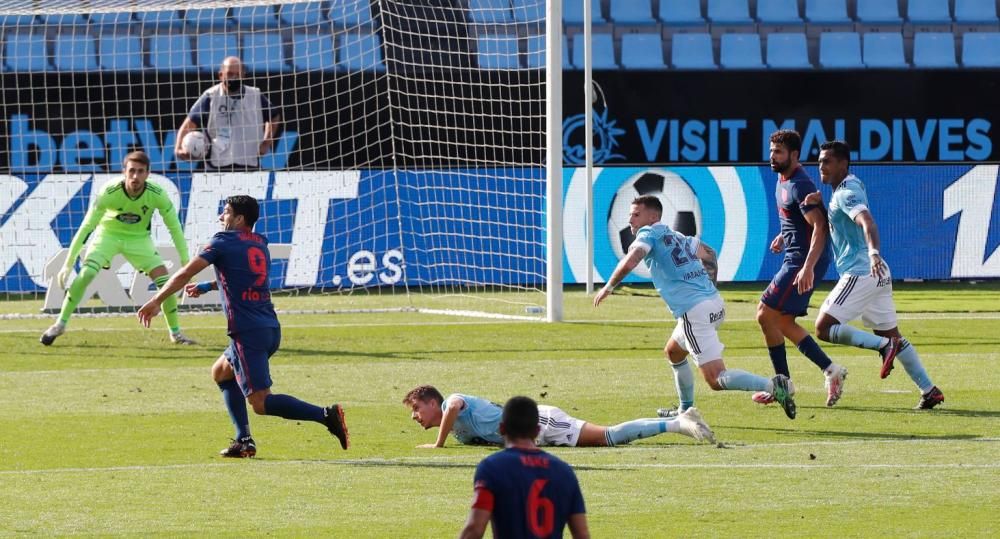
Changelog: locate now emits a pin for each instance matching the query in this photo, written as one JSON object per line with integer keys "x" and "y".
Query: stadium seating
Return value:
{"x": 632, "y": 12}
{"x": 573, "y": 12}
{"x": 787, "y": 51}
{"x": 535, "y": 49}
{"x": 490, "y": 11}
{"x": 75, "y": 52}
{"x": 65, "y": 19}
{"x": 642, "y": 51}
{"x": 729, "y": 12}
{"x": 349, "y": 13}
{"x": 778, "y": 12}
{"x": 313, "y": 52}
{"x": 111, "y": 21}
{"x": 264, "y": 52}
{"x": 498, "y": 52}
{"x": 207, "y": 20}
{"x": 827, "y": 12}
{"x": 10, "y": 21}
{"x": 359, "y": 52}
{"x": 602, "y": 50}
{"x": 120, "y": 52}
{"x": 681, "y": 13}
{"x": 24, "y": 51}
{"x": 840, "y": 50}
{"x": 878, "y": 12}
{"x": 160, "y": 20}
{"x": 934, "y": 50}
{"x": 305, "y": 14}
{"x": 928, "y": 12}
{"x": 740, "y": 51}
{"x": 981, "y": 49}
{"x": 884, "y": 50}
{"x": 213, "y": 48}
{"x": 976, "y": 11}
{"x": 256, "y": 17}
{"x": 528, "y": 10}
{"x": 692, "y": 51}
{"x": 171, "y": 52}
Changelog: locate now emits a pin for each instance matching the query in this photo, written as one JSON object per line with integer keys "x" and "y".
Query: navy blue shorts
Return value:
{"x": 248, "y": 353}
{"x": 783, "y": 296}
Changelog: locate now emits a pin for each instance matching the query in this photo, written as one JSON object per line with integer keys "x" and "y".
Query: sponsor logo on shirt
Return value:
{"x": 128, "y": 218}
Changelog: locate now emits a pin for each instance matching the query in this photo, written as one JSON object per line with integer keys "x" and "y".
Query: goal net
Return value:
{"x": 406, "y": 166}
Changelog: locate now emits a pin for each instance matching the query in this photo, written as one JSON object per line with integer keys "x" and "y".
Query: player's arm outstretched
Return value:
{"x": 176, "y": 282}
{"x": 90, "y": 222}
{"x": 455, "y": 406}
{"x": 624, "y": 267}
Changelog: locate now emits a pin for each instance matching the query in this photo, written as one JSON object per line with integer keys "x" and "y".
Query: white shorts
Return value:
{"x": 862, "y": 296}
{"x": 557, "y": 427}
{"x": 697, "y": 331}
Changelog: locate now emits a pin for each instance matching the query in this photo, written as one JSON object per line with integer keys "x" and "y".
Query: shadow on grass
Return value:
{"x": 937, "y": 411}
{"x": 858, "y": 434}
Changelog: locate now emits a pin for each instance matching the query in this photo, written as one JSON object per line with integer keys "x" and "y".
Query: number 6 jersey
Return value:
{"x": 242, "y": 261}
{"x": 678, "y": 273}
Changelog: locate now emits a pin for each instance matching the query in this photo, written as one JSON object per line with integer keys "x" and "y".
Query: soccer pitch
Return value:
{"x": 114, "y": 431}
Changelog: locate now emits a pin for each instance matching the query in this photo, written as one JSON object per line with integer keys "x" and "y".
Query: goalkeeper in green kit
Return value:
{"x": 120, "y": 220}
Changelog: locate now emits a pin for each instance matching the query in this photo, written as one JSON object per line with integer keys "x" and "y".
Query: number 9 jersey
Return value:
{"x": 678, "y": 273}
{"x": 242, "y": 262}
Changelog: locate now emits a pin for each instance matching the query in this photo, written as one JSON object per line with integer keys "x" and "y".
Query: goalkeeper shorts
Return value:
{"x": 138, "y": 251}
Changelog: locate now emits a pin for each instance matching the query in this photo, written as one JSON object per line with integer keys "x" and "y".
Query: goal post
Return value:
{"x": 415, "y": 162}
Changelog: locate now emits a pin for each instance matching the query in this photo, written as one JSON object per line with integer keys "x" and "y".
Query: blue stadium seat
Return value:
{"x": 498, "y": 52}
{"x": 884, "y": 50}
{"x": 64, "y": 19}
{"x": 305, "y": 14}
{"x": 778, "y": 12}
{"x": 787, "y": 51}
{"x": 8, "y": 21}
{"x": 160, "y": 20}
{"x": 740, "y": 51}
{"x": 490, "y": 11}
{"x": 632, "y": 12}
{"x": 692, "y": 51}
{"x": 75, "y": 52}
{"x": 928, "y": 12}
{"x": 681, "y": 12}
{"x": 642, "y": 51}
{"x": 170, "y": 52}
{"x": 211, "y": 49}
{"x": 602, "y": 49}
{"x": 350, "y": 13}
{"x": 729, "y": 12}
{"x": 25, "y": 51}
{"x": 256, "y": 17}
{"x": 206, "y": 20}
{"x": 934, "y": 50}
{"x": 878, "y": 12}
{"x": 840, "y": 50}
{"x": 573, "y": 12}
{"x": 360, "y": 52}
{"x": 535, "y": 48}
{"x": 981, "y": 49}
{"x": 528, "y": 10}
{"x": 313, "y": 52}
{"x": 120, "y": 52}
{"x": 827, "y": 12}
{"x": 264, "y": 52}
{"x": 976, "y": 11}
{"x": 112, "y": 21}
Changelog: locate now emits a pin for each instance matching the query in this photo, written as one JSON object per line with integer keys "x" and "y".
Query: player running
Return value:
{"x": 677, "y": 264}
{"x": 865, "y": 285}
{"x": 120, "y": 219}
{"x": 523, "y": 490}
{"x": 807, "y": 257}
{"x": 476, "y": 421}
{"x": 242, "y": 262}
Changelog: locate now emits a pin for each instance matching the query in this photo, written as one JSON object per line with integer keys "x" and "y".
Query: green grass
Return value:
{"x": 113, "y": 431}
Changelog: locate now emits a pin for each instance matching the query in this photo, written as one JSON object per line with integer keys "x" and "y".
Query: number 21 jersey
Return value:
{"x": 242, "y": 262}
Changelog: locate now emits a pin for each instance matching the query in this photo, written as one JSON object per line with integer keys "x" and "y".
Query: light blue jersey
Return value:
{"x": 478, "y": 423}
{"x": 849, "y": 245}
{"x": 678, "y": 274}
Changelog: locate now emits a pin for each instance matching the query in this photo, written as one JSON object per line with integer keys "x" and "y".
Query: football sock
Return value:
{"x": 88, "y": 271}
{"x": 169, "y": 306}
{"x": 236, "y": 405}
{"x": 740, "y": 380}
{"x": 624, "y": 433}
{"x": 289, "y": 407}
{"x": 778, "y": 359}
{"x": 849, "y": 335}
{"x": 914, "y": 367}
{"x": 811, "y": 350}
{"x": 684, "y": 382}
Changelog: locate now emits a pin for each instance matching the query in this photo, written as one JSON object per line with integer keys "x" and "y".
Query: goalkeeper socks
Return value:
{"x": 88, "y": 272}
{"x": 811, "y": 350}
{"x": 684, "y": 382}
{"x": 740, "y": 380}
{"x": 849, "y": 335}
{"x": 289, "y": 407}
{"x": 169, "y": 306}
{"x": 236, "y": 405}
{"x": 907, "y": 355}
{"x": 640, "y": 428}
{"x": 778, "y": 358}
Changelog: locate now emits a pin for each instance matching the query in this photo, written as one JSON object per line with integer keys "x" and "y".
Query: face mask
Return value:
{"x": 234, "y": 85}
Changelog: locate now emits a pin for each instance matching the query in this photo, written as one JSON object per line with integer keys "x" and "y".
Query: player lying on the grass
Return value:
{"x": 678, "y": 266}
{"x": 120, "y": 219}
{"x": 865, "y": 286}
{"x": 476, "y": 421}
{"x": 523, "y": 490}
{"x": 242, "y": 262}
